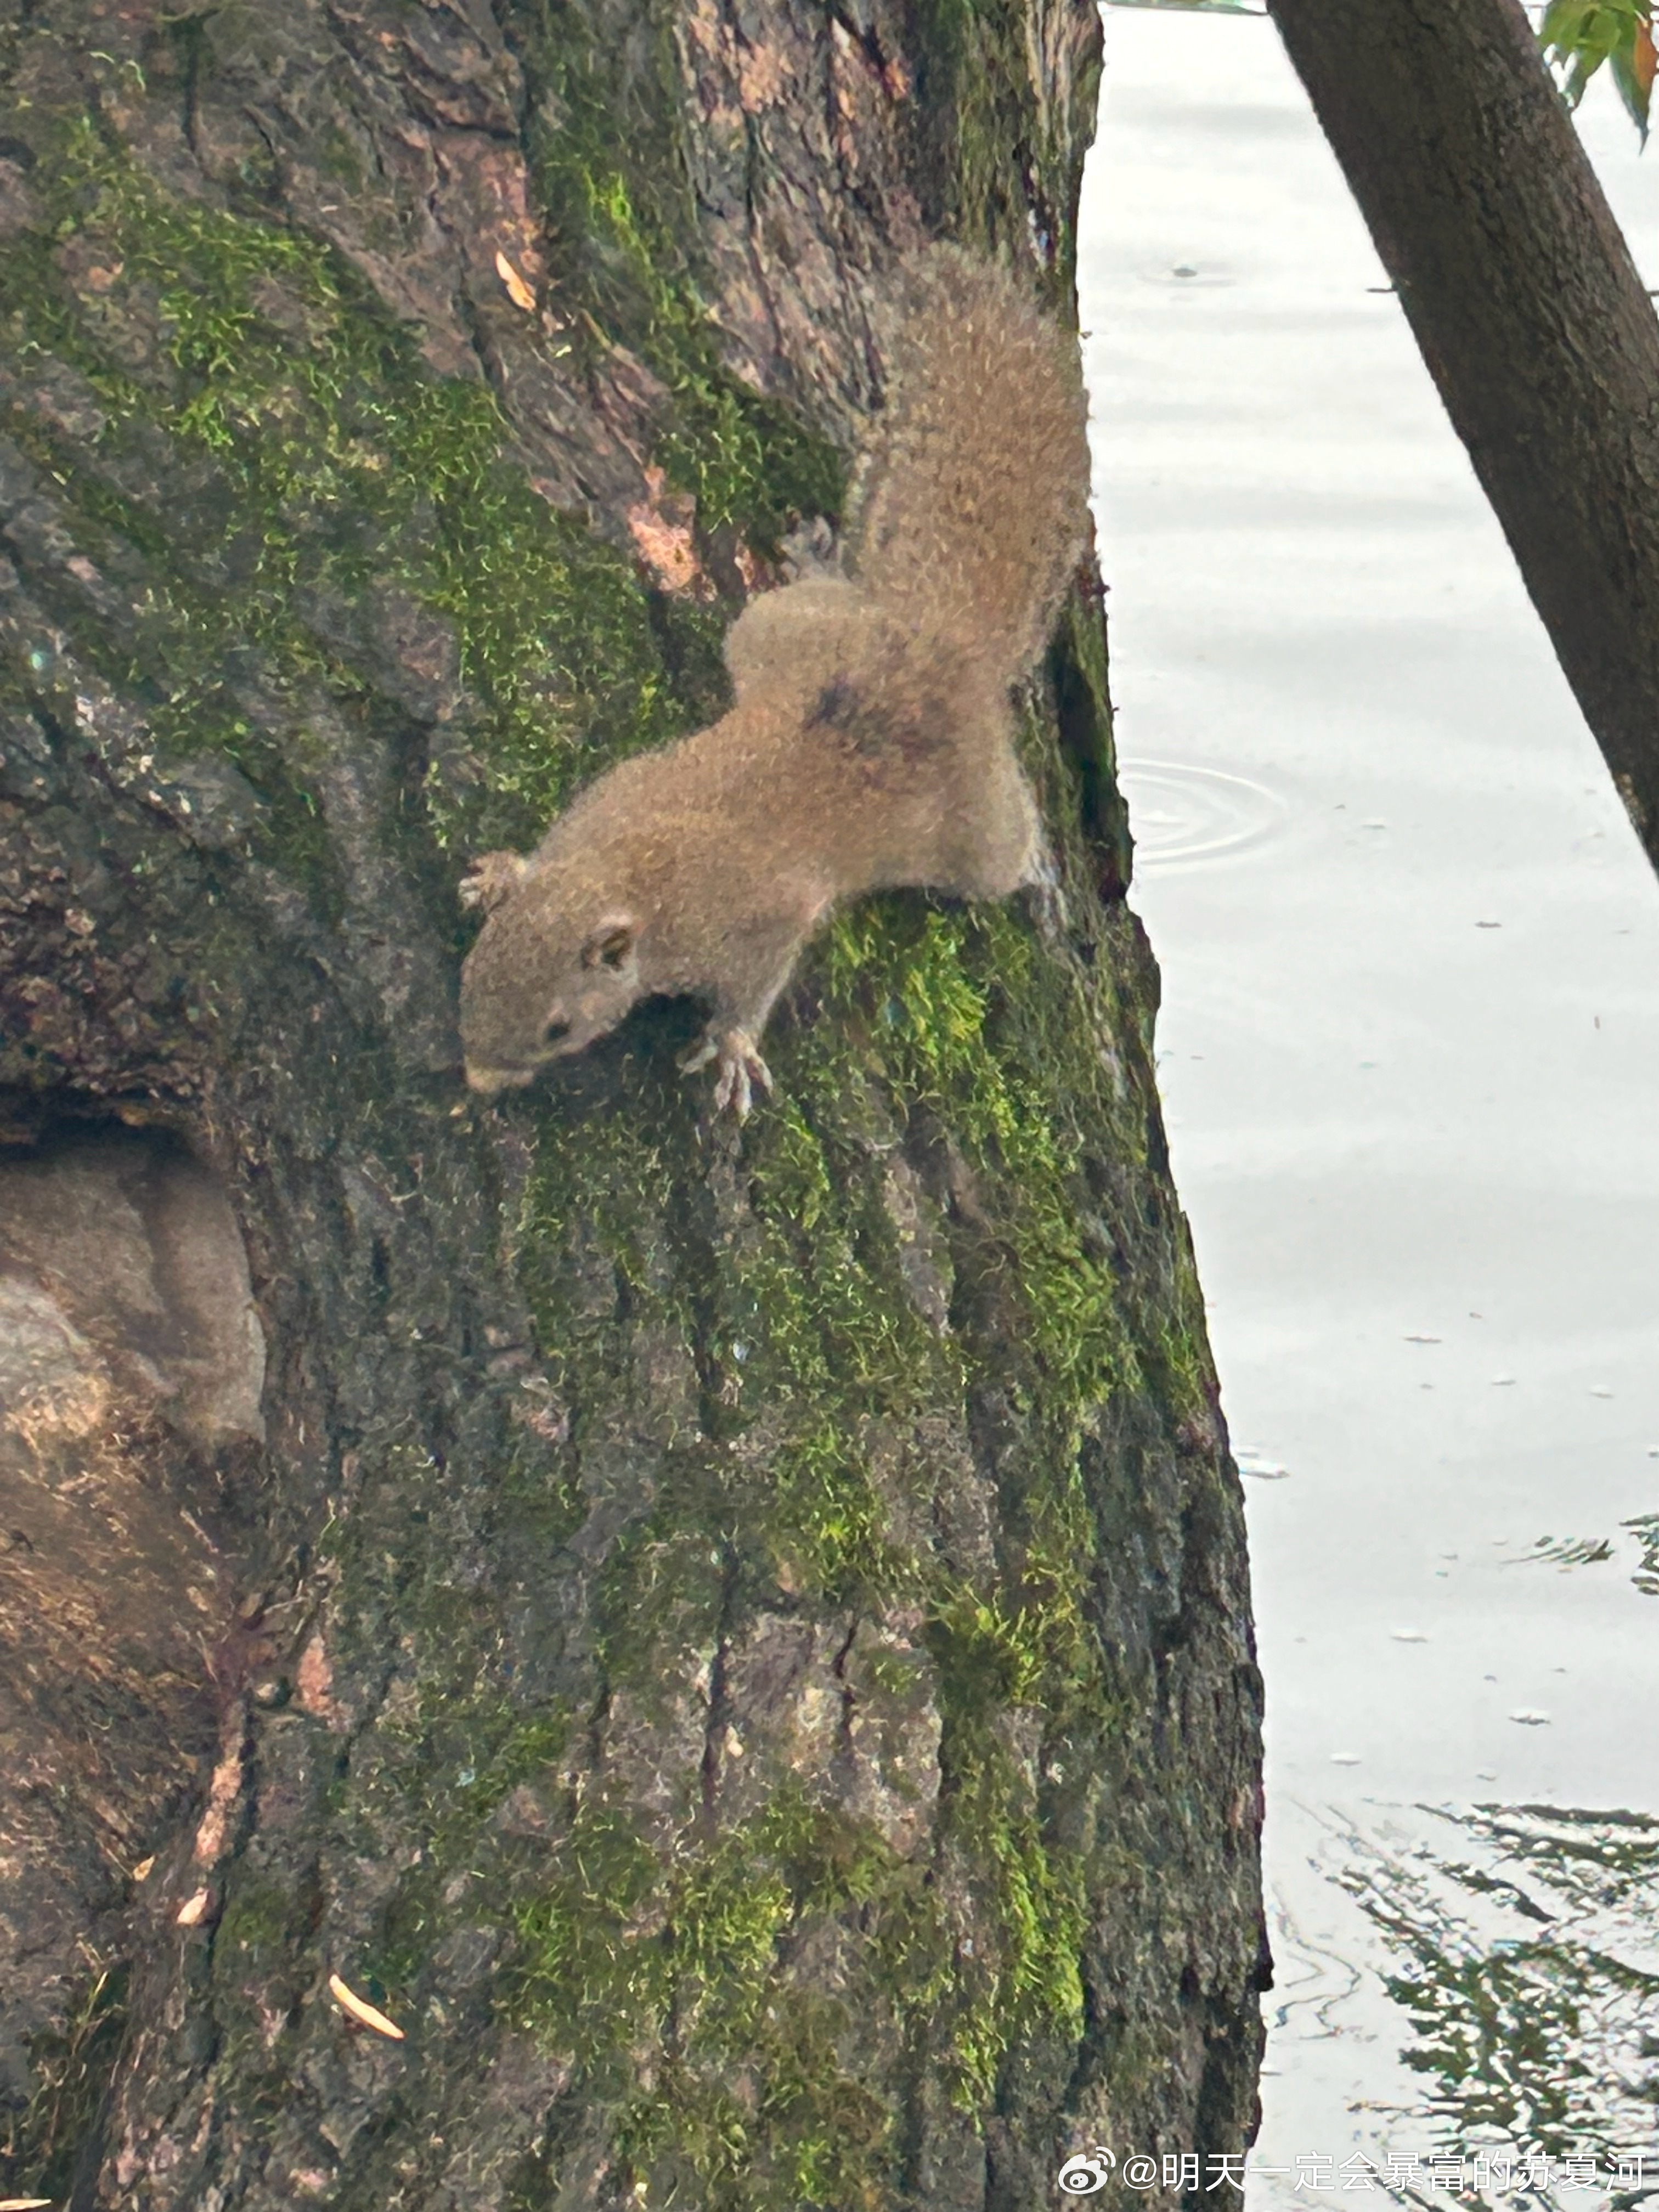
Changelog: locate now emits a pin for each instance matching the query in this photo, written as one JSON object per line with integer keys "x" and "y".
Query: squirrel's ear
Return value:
{"x": 494, "y": 876}
{"x": 611, "y": 943}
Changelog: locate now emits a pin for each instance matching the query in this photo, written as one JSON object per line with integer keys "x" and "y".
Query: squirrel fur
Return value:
{"x": 870, "y": 744}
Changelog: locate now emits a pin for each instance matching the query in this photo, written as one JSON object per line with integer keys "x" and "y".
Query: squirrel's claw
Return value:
{"x": 740, "y": 1067}
{"x": 493, "y": 877}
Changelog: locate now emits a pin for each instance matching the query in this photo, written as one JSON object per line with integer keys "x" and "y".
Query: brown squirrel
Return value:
{"x": 869, "y": 743}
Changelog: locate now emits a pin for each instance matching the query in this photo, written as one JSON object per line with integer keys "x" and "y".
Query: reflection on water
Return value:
{"x": 1182, "y": 815}
{"x": 1528, "y": 1950}
{"x": 1524, "y": 1950}
{"x": 1514, "y": 1963}
{"x": 1509, "y": 1956}
{"x": 1487, "y": 1995}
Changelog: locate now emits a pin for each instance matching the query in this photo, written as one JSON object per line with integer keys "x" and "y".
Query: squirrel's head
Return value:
{"x": 542, "y": 981}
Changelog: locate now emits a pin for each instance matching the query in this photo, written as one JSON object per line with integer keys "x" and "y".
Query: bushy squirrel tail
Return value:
{"x": 970, "y": 510}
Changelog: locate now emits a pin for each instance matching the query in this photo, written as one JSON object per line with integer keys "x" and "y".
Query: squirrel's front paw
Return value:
{"x": 810, "y": 549}
{"x": 739, "y": 1066}
{"x": 494, "y": 875}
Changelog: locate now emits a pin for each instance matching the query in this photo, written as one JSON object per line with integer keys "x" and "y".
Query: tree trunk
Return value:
{"x": 1522, "y": 297}
{"x": 736, "y": 1642}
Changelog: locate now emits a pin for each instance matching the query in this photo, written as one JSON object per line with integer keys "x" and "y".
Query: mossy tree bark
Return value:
{"x": 1522, "y": 294}
{"x": 739, "y": 1641}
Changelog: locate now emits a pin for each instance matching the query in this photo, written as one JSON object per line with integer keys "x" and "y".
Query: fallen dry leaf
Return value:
{"x": 517, "y": 290}
{"x": 360, "y": 2009}
{"x": 192, "y": 1909}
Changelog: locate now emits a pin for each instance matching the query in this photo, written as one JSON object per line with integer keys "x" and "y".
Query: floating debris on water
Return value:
{"x": 1258, "y": 1466}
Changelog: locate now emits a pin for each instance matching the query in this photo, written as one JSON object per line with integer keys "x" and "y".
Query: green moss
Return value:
{"x": 969, "y": 1020}
{"x": 758, "y": 2095}
{"x": 589, "y": 1240}
{"x": 995, "y": 166}
{"x": 623, "y": 236}
{"x": 622, "y": 1954}
{"x": 1084, "y": 709}
{"x": 40, "y": 2154}
{"x": 1031, "y": 1984}
{"x": 260, "y": 1916}
{"x": 267, "y": 1970}
{"x": 465, "y": 1746}
{"x": 830, "y": 1528}
{"x": 324, "y": 466}
{"x": 814, "y": 1302}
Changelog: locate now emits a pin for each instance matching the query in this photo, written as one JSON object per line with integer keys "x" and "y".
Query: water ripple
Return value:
{"x": 1184, "y": 816}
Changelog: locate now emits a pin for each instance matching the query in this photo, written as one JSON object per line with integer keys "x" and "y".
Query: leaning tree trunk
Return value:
{"x": 1522, "y": 294}
{"x": 736, "y": 1642}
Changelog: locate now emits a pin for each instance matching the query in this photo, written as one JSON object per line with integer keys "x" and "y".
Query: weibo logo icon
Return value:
{"x": 1087, "y": 2172}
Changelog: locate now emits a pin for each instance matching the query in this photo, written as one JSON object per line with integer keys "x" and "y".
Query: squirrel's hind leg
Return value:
{"x": 1007, "y": 850}
{"x": 997, "y": 843}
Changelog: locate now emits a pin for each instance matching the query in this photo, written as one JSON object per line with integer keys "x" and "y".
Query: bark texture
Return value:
{"x": 1522, "y": 297}
{"x": 736, "y": 1643}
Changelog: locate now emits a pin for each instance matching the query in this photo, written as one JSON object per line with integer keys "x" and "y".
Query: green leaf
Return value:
{"x": 1632, "y": 72}
{"x": 1578, "y": 35}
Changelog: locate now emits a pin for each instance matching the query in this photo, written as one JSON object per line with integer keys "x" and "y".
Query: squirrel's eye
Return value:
{"x": 610, "y": 947}
{"x": 554, "y": 1031}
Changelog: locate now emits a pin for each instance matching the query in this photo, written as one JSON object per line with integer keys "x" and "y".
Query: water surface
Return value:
{"x": 1409, "y": 1055}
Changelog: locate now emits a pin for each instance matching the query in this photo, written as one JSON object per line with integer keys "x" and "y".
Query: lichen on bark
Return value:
{"x": 743, "y": 1646}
